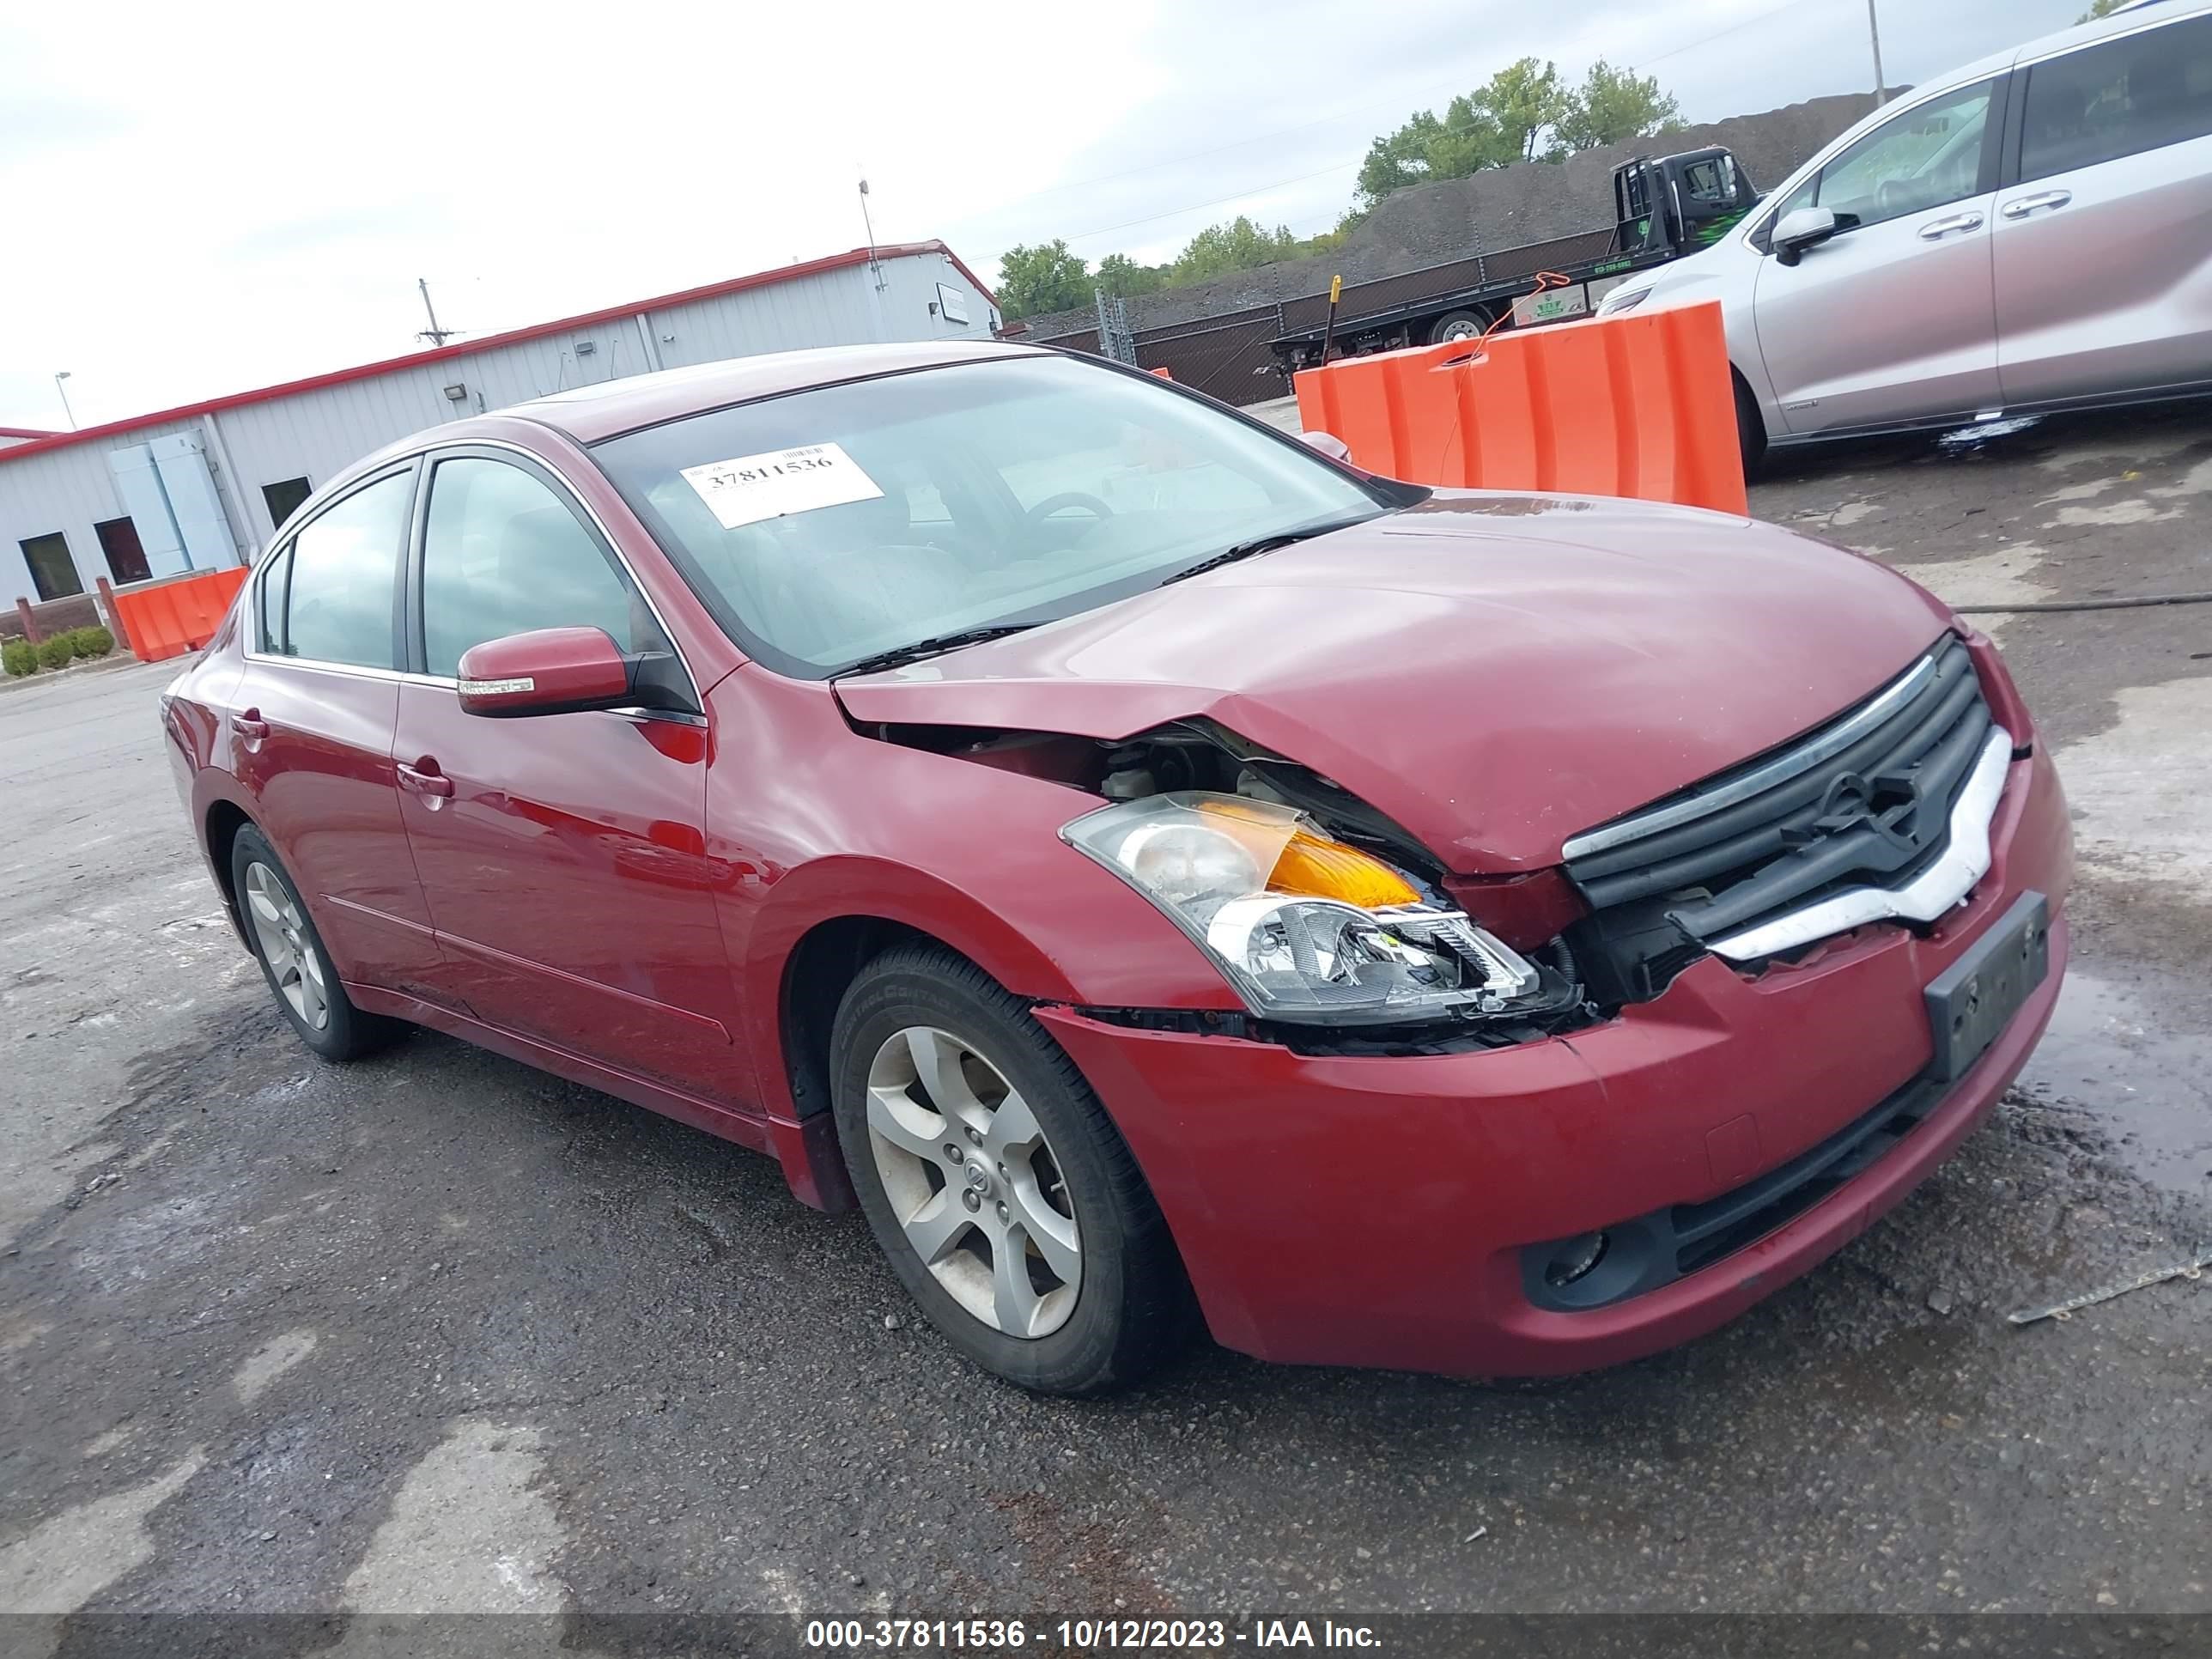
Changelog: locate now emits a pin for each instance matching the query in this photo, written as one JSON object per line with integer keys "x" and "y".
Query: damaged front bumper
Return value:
{"x": 1382, "y": 1210}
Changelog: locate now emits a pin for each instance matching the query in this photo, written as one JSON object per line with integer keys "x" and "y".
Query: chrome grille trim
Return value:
{"x": 1965, "y": 860}
{"x": 1821, "y": 746}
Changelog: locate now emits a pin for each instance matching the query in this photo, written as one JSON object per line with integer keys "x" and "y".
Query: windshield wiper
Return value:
{"x": 935, "y": 645}
{"x": 1264, "y": 544}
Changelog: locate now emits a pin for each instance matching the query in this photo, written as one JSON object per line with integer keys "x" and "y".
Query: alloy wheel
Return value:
{"x": 295, "y": 963}
{"x": 973, "y": 1182}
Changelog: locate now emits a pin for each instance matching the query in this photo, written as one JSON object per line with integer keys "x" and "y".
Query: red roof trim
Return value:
{"x": 860, "y": 255}
{"x": 48, "y": 432}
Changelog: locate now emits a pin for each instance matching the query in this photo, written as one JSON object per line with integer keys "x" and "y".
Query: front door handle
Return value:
{"x": 2023, "y": 206}
{"x": 425, "y": 779}
{"x": 1936, "y": 229}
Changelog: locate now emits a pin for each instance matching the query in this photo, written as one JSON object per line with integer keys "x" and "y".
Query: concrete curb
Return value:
{"x": 116, "y": 659}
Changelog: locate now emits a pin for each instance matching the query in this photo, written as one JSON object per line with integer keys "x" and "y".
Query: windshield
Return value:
{"x": 831, "y": 527}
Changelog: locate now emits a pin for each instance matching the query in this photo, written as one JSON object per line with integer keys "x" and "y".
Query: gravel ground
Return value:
{"x": 438, "y": 1333}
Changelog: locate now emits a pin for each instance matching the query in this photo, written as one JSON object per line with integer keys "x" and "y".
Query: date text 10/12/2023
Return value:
{"x": 989, "y": 1636}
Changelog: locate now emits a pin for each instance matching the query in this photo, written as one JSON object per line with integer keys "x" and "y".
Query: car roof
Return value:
{"x": 2142, "y": 14}
{"x": 588, "y": 414}
{"x": 585, "y": 415}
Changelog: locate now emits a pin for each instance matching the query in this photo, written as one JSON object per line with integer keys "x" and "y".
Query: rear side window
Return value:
{"x": 502, "y": 554}
{"x": 1706, "y": 181}
{"x": 2141, "y": 93}
{"x": 344, "y": 571}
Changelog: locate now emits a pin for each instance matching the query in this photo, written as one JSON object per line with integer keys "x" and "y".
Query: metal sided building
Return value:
{"x": 206, "y": 485}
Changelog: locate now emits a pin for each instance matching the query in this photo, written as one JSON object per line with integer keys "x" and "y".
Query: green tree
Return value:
{"x": 1237, "y": 246}
{"x": 1513, "y": 116}
{"x": 2102, "y": 8}
{"x": 1524, "y": 101}
{"x": 1033, "y": 281}
{"x": 1125, "y": 279}
{"x": 1398, "y": 158}
{"x": 1613, "y": 105}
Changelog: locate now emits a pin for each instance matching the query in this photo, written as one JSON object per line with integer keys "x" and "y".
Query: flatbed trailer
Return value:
{"x": 1664, "y": 208}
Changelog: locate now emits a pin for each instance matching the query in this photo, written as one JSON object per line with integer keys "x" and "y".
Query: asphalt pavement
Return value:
{"x": 439, "y": 1332}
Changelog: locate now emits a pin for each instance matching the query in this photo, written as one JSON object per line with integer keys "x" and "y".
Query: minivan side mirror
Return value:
{"x": 1327, "y": 443}
{"x": 548, "y": 671}
{"x": 1800, "y": 229}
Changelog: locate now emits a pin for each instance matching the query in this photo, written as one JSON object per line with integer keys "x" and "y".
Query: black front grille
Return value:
{"x": 1864, "y": 801}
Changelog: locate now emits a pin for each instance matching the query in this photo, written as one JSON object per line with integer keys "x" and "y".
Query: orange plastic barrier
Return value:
{"x": 178, "y": 614}
{"x": 1637, "y": 405}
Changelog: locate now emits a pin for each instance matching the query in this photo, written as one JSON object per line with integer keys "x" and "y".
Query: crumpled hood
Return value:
{"x": 1495, "y": 672}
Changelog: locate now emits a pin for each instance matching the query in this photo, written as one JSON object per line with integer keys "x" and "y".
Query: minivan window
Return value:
{"x": 828, "y": 526}
{"x": 2139, "y": 93}
{"x": 344, "y": 570}
{"x": 1928, "y": 157}
{"x": 502, "y": 554}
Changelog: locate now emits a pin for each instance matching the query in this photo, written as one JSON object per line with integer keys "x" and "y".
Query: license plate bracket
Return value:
{"x": 1973, "y": 1000}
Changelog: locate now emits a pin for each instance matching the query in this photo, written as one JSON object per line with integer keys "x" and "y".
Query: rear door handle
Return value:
{"x": 426, "y": 779}
{"x": 250, "y": 726}
{"x": 2020, "y": 208}
{"x": 1936, "y": 229}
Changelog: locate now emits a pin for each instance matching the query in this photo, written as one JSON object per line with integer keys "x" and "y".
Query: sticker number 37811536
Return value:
{"x": 751, "y": 488}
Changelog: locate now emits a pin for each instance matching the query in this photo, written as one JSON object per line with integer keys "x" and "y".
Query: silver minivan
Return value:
{"x": 2032, "y": 232}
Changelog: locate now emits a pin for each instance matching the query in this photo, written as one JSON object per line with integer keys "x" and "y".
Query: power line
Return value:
{"x": 1395, "y": 98}
{"x": 1218, "y": 201}
{"x": 1717, "y": 35}
{"x": 1398, "y": 99}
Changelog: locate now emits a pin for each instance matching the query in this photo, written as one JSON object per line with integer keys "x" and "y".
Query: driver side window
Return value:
{"x": 502, "y": 554}
{"x": 1926, "y": 158}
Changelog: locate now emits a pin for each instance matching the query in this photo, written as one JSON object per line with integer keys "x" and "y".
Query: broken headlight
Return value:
{"x": 1305, "y": 927}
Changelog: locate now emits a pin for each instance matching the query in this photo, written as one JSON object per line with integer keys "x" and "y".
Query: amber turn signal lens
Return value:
{"x": 1314, "y": 868}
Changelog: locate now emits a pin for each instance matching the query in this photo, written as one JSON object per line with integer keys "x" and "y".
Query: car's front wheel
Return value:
{"x": 1006, "y": 1201}
{"x": 292, "y": 957}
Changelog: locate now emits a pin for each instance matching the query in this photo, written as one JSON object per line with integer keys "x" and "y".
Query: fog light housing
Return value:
{"x": 1576, "y": 1258}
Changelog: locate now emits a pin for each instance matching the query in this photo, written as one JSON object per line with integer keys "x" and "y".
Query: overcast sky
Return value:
{"x": 202, "y": 199}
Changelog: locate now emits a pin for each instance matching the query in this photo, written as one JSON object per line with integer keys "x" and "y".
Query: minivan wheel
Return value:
{"x": 1750, "y": 429}
{"x": 1008, "y": 1203}
{"x": 292, "y": 957}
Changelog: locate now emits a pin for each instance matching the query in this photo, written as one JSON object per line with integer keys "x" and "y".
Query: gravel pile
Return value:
{"x": 1429, "y": 224}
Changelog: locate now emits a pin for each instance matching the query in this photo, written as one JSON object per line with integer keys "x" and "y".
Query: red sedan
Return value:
{"x": 1158, "y": 871}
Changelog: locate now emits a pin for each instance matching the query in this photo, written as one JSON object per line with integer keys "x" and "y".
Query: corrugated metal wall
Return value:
{"x": 317, "y": 434}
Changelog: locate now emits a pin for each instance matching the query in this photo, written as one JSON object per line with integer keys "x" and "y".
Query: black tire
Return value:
{"x": 1458, "y": 325}
{"x": 1133, "y": 1307}
{"x": 1750, "y": 429}
{"x": 346, "y": 1033}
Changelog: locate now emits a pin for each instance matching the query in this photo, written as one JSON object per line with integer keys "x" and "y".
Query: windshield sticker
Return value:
{"x": 751, "y": 487}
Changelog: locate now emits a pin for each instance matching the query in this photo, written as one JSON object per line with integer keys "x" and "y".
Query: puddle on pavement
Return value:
{"x": 2107, "y": 1062}
{"x": 1983, "y": 433}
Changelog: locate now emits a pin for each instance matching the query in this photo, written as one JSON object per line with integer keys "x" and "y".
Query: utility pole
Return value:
{"x": 59, "y": 376}
{"x": 875, "y": 269}
{"x": 1873, "y": 32}
{"x": 868, "y": 225}
{"x": 438, "y": 336}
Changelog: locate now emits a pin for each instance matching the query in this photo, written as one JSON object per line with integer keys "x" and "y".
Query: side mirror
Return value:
{"x": 549, "y": 671}
{"x": 1328, "y": 444}
{"x": 1800, "y": 229}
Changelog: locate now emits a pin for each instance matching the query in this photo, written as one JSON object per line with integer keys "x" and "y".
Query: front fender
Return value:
{"x": 1050, "y": 929}
{"x": 818, "y": 822}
